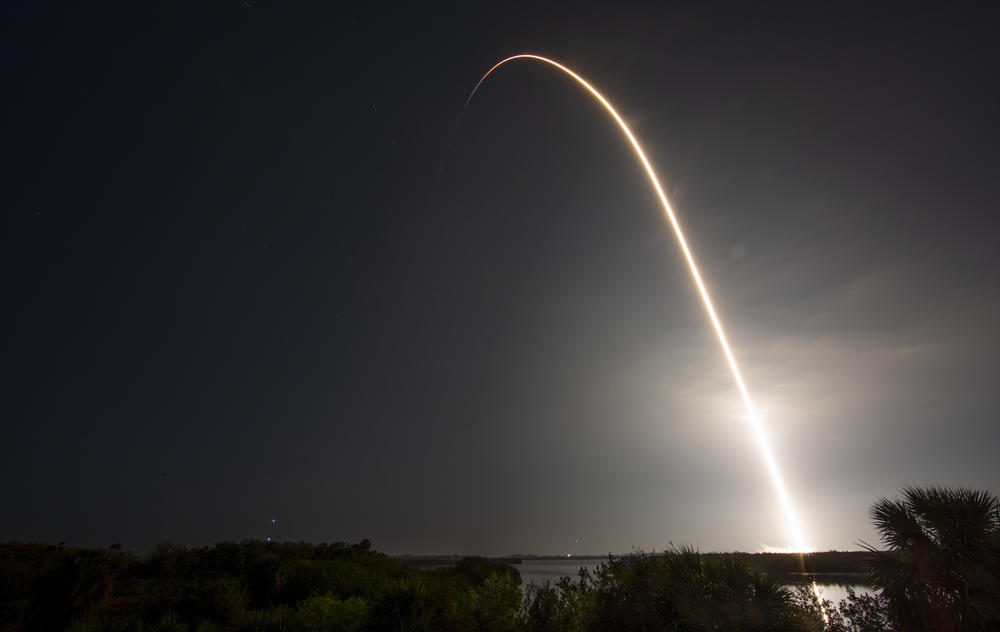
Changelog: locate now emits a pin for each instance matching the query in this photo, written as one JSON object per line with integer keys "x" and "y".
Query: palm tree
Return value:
{"x": 942, "y": 567}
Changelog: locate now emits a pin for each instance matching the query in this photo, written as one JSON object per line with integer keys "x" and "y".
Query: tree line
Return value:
{"x": 938, "y": 569}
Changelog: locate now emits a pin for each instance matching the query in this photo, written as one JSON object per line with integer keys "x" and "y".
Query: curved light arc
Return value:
{"x": 792, "y": 524}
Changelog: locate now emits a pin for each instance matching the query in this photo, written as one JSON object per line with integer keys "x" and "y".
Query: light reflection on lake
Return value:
{"x": 540, "y": 571}
{"x": 835, "y": 592}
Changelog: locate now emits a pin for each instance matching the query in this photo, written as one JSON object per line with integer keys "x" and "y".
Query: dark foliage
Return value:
{"x": 252, "y": 585}
{"x": 295, "y": 586}
{"x": 941, "y": 572}
{"x": 942, "y": 567}
{"x": 683, "y": 590}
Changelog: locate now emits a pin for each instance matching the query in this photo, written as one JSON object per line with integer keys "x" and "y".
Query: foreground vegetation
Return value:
{"x": 941, "y": 572}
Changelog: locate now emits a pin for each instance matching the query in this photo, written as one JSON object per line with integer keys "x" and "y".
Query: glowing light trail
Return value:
{"x": 791, "y": 521}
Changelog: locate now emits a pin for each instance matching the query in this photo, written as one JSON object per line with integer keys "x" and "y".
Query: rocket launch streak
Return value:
{"x": 795, "y": 532}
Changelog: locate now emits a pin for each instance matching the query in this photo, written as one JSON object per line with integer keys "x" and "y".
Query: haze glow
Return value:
{"x": 793, "y": 526}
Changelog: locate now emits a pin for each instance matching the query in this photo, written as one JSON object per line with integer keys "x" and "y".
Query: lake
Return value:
{"x": 539, "y": 571}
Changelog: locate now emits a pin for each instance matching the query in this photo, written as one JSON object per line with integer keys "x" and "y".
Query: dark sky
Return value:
{"x": 252, "y": 275}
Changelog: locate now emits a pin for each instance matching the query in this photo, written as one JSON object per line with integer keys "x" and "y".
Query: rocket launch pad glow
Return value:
{"x": 795, "y": 532}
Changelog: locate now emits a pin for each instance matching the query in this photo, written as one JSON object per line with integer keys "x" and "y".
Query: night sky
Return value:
{"x": 254, "y": 273}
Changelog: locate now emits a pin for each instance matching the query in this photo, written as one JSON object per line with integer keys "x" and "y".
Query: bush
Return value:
{"x": 273, "y": 620}
{"x": 327, "y": 613}
{"x": 497, "y": 603}
{"x": 402, "y": 605}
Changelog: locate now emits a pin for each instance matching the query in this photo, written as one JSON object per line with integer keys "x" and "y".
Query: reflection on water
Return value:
{"x": 539, "y": 571}
{"x": 835, "y": 592}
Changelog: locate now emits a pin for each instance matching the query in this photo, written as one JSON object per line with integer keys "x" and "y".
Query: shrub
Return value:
{"x": 328, "y": 613}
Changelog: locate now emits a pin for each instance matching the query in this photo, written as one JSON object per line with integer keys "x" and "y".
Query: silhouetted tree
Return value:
{"x": 942, "y": 568}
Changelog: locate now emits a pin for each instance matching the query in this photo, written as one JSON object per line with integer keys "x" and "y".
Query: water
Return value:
{"x": 539, "y": 571}
{"x": 835, "y": 592}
